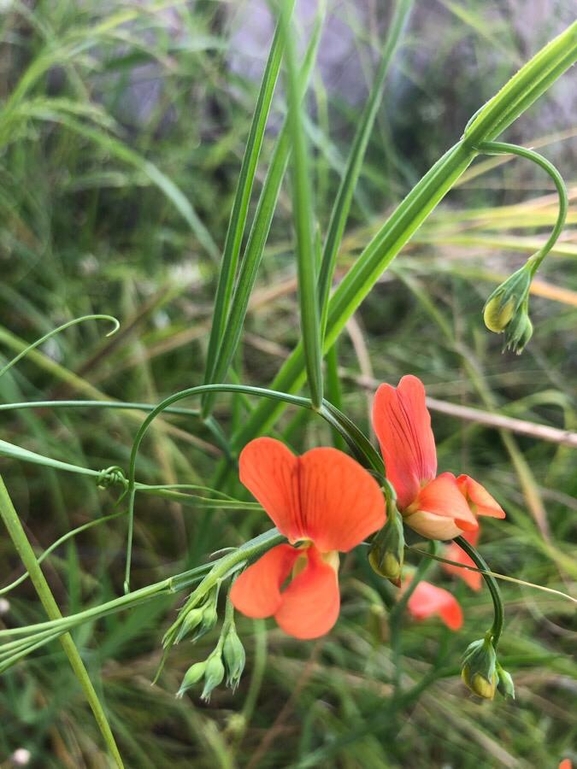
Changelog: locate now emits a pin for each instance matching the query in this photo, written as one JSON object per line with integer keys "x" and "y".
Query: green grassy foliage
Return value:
{"x": 110, "y": 208}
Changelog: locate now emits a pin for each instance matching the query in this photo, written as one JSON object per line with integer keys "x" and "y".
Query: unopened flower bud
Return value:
{"x": 213, "y": 675}
{"x": 479, "y": 668}
{"x": 191, "y": 677}
{"x": 234, "y": 658}
{"x": 498, "y": 311}
{"x": 197, "y": 620}
{"x": 189, "y": 622}
{"x": 505, "y": 684}
{"x": 519, "y": 331}
{"x": 506, "y": 299}
{"x": 387, "y": 550}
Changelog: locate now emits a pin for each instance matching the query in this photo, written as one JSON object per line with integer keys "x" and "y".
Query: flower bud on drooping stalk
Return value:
{"x": 192, "y": 676}
{"x": 479, "y": 671}
{"x": 507, "y": 309}
{"x": 482, "y": 673}
{"x": 214, "y": 673}
{"x": 234, "y": 657}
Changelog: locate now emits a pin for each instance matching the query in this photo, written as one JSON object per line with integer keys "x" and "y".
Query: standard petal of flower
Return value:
{"x": 403, "y": 426}
{"x": 454, "y": 553}
{"x": 341, "y": 502}
{"x": 256, "y": 592}
{"x": 440, "y": 510}
{"x": 428, "y": 600}
{"x": 478, "y": 498}
{"x": 270, "y": 472}
{"x": 310, "y": 604}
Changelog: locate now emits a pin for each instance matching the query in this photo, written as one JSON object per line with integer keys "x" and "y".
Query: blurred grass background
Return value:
{"x": 122, "y": 131}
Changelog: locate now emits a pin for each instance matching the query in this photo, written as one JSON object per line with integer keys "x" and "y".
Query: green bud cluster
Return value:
{"x": 195, "y": 620}
{"x": 482, "y": 673}
{"x": 212, "y": 670}
{"x": 507, "y": 309}
{"x": 228, "y": 658}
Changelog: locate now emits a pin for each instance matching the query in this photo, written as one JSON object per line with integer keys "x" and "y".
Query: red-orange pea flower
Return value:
{"x": 428, "y": 600}
{"x": 326, "y": 502}
{"x": 453, "y": 552}
{"x": 436, "y": 506}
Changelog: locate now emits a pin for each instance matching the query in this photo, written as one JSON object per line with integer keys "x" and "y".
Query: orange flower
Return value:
{"x": 454, "y": 553}
{"x": 436, "y": 506}
{"x": 326, "y": 502}
{"x": 565, "y": 764}
{"x": 428, "y": 600}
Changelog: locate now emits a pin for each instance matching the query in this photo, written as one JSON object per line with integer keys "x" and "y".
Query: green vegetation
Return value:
{"x": 144, "y": 180}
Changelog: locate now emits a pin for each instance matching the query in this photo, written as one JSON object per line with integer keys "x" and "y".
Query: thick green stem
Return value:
{"x": 26, "y": 553}
{"x": 497, "y": 626}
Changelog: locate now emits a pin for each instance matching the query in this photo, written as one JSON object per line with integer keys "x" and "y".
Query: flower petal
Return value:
{"x": 269, "y": 470}
{"x": 427, "y": 600}
{"x": 478, "y": 498}
{"x": 341, "y": 502}
{"x": 440, "y": 511}
{"x": 256, "y": 592}
{"x": 454, "y": 553}
{"x": 403, "y": 426}
{"x": 310, "y": 604}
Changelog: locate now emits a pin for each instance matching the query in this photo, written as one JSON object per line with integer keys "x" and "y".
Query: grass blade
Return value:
{"x": 238, "y": 217}
{"x": 258, "y": 236}
{"x": 307, "y": 261}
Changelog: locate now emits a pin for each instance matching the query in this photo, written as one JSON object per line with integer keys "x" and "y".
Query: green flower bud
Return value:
{"x": 213, "y": 674}
{"x": 498, "y": 310}
{"x": 505, "y": 683}
{"x": 505, "y": 301}
{"x": 519, "y": 331}
{"x": 234, "y": 658}
{"x": 191, "y": 677}
{"x": 189, "y": 622}
{"x": 479, "y": 672}
{"x": 387, "y": 550}
{"x": 198, "y": 619}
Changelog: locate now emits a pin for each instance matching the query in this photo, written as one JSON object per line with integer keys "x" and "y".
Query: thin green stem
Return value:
{"x": 28, "y": 557}
{"x": 503, "y": 148}
{"x": 499, "y": 618}
{"x": 55, "y": 331}
{"x": 127, "y": 406}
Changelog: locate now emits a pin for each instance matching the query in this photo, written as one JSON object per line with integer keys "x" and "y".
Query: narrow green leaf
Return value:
{"x": 238, "y": 216}
{"x": 302, "y": 199}
{"x": 258, "y": 236}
